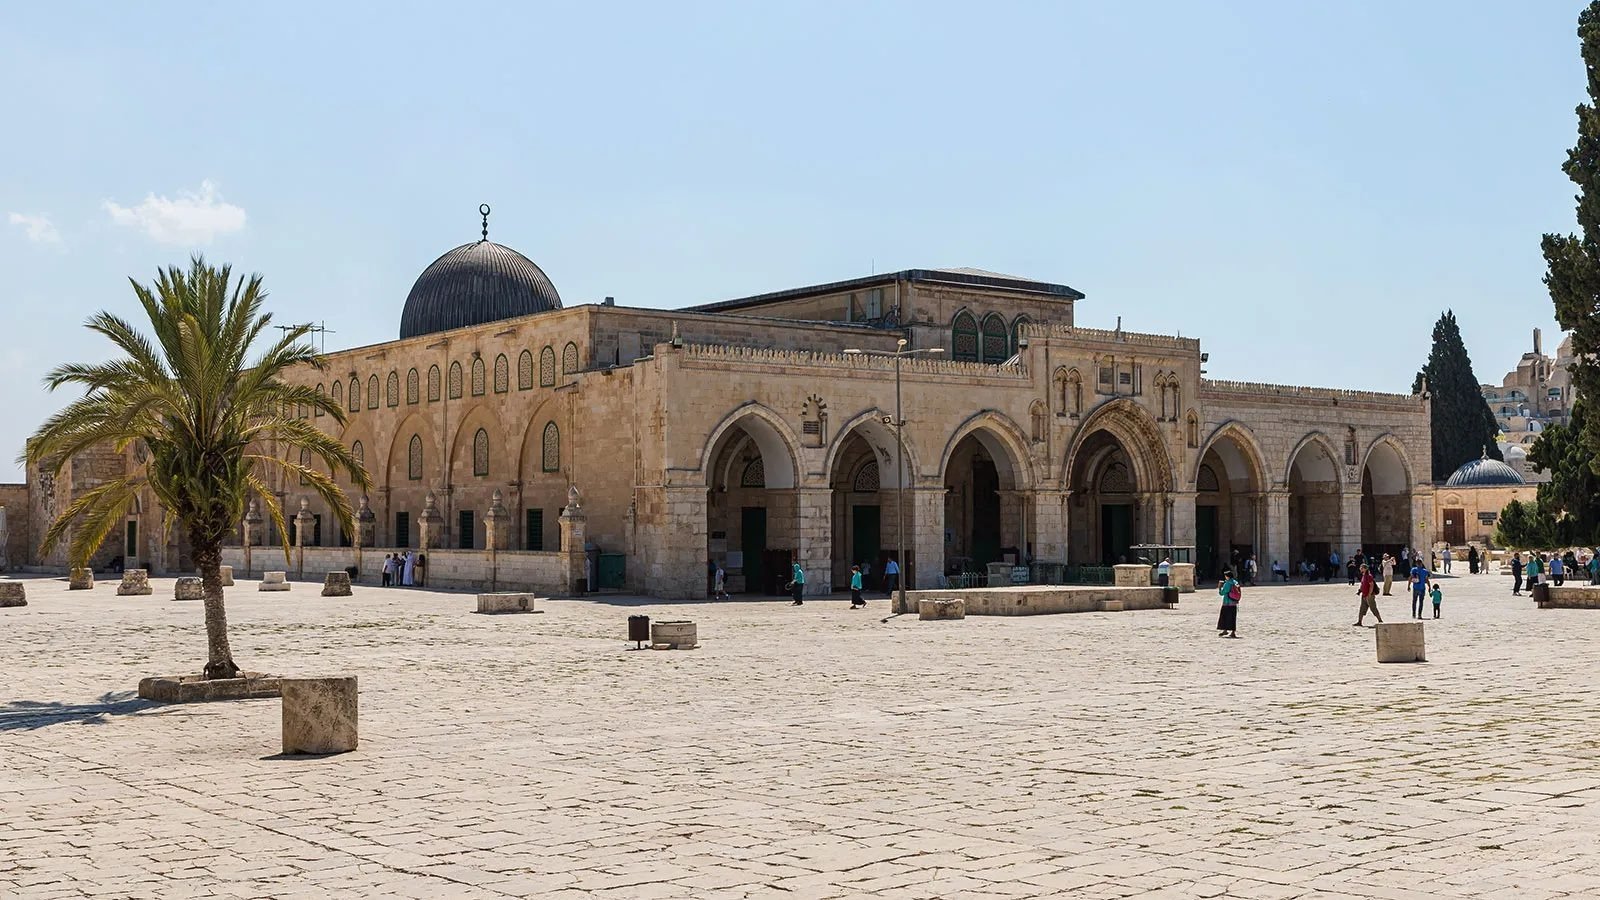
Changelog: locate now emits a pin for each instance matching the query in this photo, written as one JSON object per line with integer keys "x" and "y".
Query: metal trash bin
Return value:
{"x": 1541, "y": 593}
{"x": 639, "y": 629}
{"x": 1169, "y": 596}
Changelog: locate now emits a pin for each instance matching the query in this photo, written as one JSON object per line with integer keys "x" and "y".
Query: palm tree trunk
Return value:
{"x": 219, "y": 656}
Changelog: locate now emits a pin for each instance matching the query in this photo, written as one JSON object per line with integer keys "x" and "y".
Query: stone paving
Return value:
{"x": 809, "y": 752}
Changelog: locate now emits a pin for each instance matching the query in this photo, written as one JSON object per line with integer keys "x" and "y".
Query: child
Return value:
{"x": 719, "y": 584}
{"x": 855, "y": 588}
{"x": 1438, "y": 599}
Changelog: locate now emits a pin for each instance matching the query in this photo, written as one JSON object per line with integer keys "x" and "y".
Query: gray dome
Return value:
{"x": 473, "y": 284}
{"x": 1482, "y": 472}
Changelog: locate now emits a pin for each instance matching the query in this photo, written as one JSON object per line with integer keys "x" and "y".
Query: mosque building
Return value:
{"x": 760, "y": 432}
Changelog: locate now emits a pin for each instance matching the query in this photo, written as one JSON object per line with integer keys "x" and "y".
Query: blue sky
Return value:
{"x": 1303, "y": 187}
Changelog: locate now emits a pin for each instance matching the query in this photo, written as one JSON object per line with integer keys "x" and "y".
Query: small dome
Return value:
{"x": 1515, "y": 451}
{"x": 473, "y": 284}
{"x": 1484, "y": 472}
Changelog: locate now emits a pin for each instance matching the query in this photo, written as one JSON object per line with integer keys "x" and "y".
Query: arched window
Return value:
{"x": 393, "y": 388}
{"x": 1108, "y": 373}
{"x": 1037, "y": 414}
{"x": 337, "y": 394}
{"x": 525, "y": 370}
{"x": 1075, "y": 390}
{"x": 477, "y": 377}
{"x": 413, "y": 388}
{"x": 1016, "y": 332}
{"x": 414, "y": 458}
{"x": 355, "y": 394}
{"x": 321, "y": 394}
{"x": 1116, "y": 480}
{"x": 502, "y": 374}
{"x": 1177, "y": 396}
{"x": 1161, "y": 388}
{"x": 305, "y": 463}
{"x": 551, "y": 457}
{"x": 360, "y": 453}
{"x": 372, "y": 392}
{"x": 996, "y": 339}
{"x": 1350, "y": 447}
{"x": 480, "y": 453}
{"x": 866, "y": 480}
{"x": 455, "y": 381}
{"x": 547, "y": 367}
{"x": 964, "y": 337}
{"x": 754, "y": 474}
{"x": 569, "y": 358}
{"x": 1206, "y": 481}
{"x": 433, "y": 384}
{"x": 1194, "y": 430}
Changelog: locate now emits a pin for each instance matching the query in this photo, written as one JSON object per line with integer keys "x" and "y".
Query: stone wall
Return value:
{"x": 19, "y": 547}
{"x": 539, "y": 573}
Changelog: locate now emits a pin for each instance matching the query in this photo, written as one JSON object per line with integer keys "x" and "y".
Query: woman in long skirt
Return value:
{"x": 1228, "y": 619}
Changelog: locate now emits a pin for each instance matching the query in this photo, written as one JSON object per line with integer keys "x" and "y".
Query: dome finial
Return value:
{"x": 1485, "y": 452}
{"x": 483, "y": 210}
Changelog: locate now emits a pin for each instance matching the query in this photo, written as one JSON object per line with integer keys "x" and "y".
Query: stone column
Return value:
{"x": 671, "y": 542}
{"x": 924, "y": 537}
{"x": 1422, "y": 513}
{"x": 1050, "y": 525}
{"x": 497, "y": 524}
{"x": 1349, "y": 523}
{"x": 1013, "y": 531}
{"x": 814, "y": 538}
{"x": 574, "y": 533}
{"x": 1275, "y": 532}
{"x": 1182, "y": 514}
{"x": 366, "y": 527}
{"x": 303, "y": 522}
{"x": 429, "y": 523}
{"x": 252, "y": 526}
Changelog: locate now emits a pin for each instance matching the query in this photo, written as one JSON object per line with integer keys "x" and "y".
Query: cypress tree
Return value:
{"x": 1573, "y": 275}
{"x": 1463, "y": 425}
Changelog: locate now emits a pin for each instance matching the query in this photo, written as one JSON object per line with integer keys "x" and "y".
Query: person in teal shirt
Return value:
{"x": 855, "y": 588}
{"x": 1437, "y": 595}
{"x": 1228, "y": 619}
{"x": 797, "y": 585}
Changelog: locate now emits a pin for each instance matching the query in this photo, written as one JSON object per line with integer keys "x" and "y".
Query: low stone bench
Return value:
{"x": 12, "y": 593}
{"x": 320, "y": 715}
{"x": 1111, "y": 606}
{"x": 1571, "y": 596}
{"x": 135, "y": 583}
{"x": 227, "y": 575}
{"x": 273, "y": 581}
{"x": 1400, "y": 642}
{"x": 336, "y": 584}
{"x": 508, "y": 602}
{"x": 80, "y": 580}
{"x": 932, "y": 610}
{"x": 675, "y": 635}
{"x": 189, "y": 588}
{"x": 197, "y": 689}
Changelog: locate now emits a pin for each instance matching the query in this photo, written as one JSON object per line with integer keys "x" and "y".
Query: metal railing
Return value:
{"x": 1037, "y": 573}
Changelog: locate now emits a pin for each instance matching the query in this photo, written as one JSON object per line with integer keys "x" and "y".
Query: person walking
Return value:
{"x": 1594, "y": 567}
{"x": 1369, "y": 600}
{"x": 1516, "y": 574}
{"x": 1558, "y": 569}
{"x": 388, "y": 570}
{"x": 1437, "y": 595}
{"x": 1333, "y": 565}
{"x": 1446, "y": 557}
{"x": 855, "y": 588}
{"x": 1472, "y": 560}
{"x": 1164, "y": 572}
{"x": 1250, "y": 570}
{"x": 1419, "y": 587}
{"x": 719, "y": 583}
{"x": 409, "y": 569}
{"x": 891, "y": 576}
{"x": 1388, "y": 573}
{"x": 797, "y": 585}
{"x": 1228, "y": 618}
{"x": 1350, "y": 571}
{"x": 422, "y": 569}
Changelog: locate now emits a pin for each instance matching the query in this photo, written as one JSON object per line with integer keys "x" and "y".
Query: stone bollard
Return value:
{"x": 336, "y": 584}
{"x": 676, "y": 635}
{"x": 508, "y": 603}
{"x": 135, "y": 583}
{"x": 80, "y": 580}
{"x": 12, "y": 593}
{"x": 227, "y": 575}
{"x": 189, "y": 588}
{"x": 1111, "y": 606}
{"x": 319, "y": 715}
{"x": 1132, "y": 575}
{"x": 933, "y": 610}
{"x": 1182, "y": 577}
{"x": 1400, "y": 642}
{"x": 273, "y": 581}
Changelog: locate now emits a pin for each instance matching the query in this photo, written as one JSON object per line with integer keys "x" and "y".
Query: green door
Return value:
{"x": 1116, "y": 532}
{"x": 866, "y": 535}
{"x": 1205, "y": 541}
{"x": 753, "y": 543}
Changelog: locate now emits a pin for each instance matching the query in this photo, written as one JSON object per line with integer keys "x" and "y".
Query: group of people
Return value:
{"x": 406, "y": 569}
{"x": 796, "y": 585}
{"x": 1419, "y": 578}
{"x": 1553, "y": 568}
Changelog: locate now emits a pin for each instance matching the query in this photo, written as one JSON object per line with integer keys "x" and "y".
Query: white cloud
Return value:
{"x": 194, "y": 217}
{"x": 40, "y": 230}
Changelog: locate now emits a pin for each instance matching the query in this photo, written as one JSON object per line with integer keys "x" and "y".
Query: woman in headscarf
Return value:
{"x": 1228, "y": 619}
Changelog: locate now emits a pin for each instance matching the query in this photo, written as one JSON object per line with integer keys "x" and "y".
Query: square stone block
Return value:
{"x": 319, "y": 715}
{"x": 135, "y": 583}
{"x": 1111, "y": 606}
{"x": 273, "y": 581}
{"x": 189, "y": 588}
{"x": 336, "y": 584}
{"x": 508, "y": 602}
{"x": 227, "y": 575}
{"x": 675, "y": 635}
{"x": 1182, "y": 577}
{"x": 1400, "y": 642}
{"x": 941, "y": 609}
{"x": 1131, "y": 575}
{"x": 12, "y": 593}
{"x": 80, "y": 579}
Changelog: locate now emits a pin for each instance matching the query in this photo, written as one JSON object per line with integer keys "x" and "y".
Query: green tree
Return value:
{"x": 1464, "y": 427}
{"x": 1520, "y": 527}
{"x": 206, "y": 415}
{"x": 1570, "y": 500}
{"x": 1573, "y": 261}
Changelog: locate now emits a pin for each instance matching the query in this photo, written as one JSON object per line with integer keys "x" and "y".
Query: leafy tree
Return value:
{"x": 1464, "y": 427}
{"x": 1521, "y": 528}
{"x": 1570, "y": 500}
{"x": 1573, "y": 274}
{"x": 205, "y": 413}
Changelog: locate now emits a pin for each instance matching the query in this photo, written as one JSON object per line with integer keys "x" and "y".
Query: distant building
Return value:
{"x": 1531, "y": 397}
{"x": 1468, "y": 504}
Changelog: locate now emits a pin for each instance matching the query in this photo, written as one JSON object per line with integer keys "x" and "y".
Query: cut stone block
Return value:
{"x": 189, "y": 588}
{"x": 1111, "y": 606}
{"x": 932, "y": 610}
{"x": 273, "y": 581}
{"x": 80, "y": 580}
{"x": 507, "y": 602}
{"x": 1131, "y": 575}
{"x": 1400, "y": 642}
{"x": 336, "y": 584}
{"x": 676, "y": 635}
{"x": 319, "y": 715}
{"x": 135, "y": 583}
{"x": 227, "y": 575}
{"x": 12, "y": 594}
{"x": 1182, "y": 577}
{"x": 195, "y": 689}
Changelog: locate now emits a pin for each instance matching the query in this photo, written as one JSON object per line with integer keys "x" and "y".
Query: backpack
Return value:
{"x": 1234, "y": 592}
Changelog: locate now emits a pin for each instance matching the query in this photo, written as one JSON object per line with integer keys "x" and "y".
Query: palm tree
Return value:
{"x": 211, "y": 423}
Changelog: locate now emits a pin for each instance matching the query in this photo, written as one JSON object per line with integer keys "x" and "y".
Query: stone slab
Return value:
{"x": 195, "y": 689}
{"x": 1400, "y": 642}
{"x": 508, "y": 602}
{"x": 1182, "y": 577}
{"x": 678, "y": 634}
{"x": 189, "y": 587}
{"x": 320, "y": 715}
{"x": 1039, "y": 599}
{"x": 1111, "y": 606}
{"x": 135, "y": 583}
{"x": 336, "y": 584}
{"x": 1131, "y": 575}
{"x": 273, "y": 581}
{"x": 227, "y": 575}
{"x": 1571, "y": 596}
{"x": 932, "y": 609}
{"x": 12, "y": 593}
{"x": 80, "y": 580}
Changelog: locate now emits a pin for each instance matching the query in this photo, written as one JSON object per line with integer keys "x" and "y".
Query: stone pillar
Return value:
{"x": 814, "y": 538}
{"x": 366, "y": 525}
{"x": 1349, "y": 523}
{"x": 1422, "y": 513}
{"x": 497, "y": 524}
{"x": 1182, "y": 513}
{"x": 671, "y": 542}
{"x": 1050, "y": 525}
{"x": 252, "y": 527}
{"x": 1013, "y": 533}
{"x": 1275, "y": 531}
{"x": 574, "y": 533}
{"x": 429, "y": 524}
{"x": 924, "y": 537}
{"x": 303, "y": 523}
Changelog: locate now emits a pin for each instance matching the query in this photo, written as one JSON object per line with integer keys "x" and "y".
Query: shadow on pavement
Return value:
{"x": 27, "y": 715}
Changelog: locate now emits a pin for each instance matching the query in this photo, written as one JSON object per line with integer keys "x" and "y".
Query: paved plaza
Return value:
{"x": 808, "y": 752}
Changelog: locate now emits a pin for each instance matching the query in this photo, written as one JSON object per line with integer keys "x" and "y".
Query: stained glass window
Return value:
{"x": 338, "y": 393}
{"x": 502, "y": 374}
{"x": 525, "y": 370}
{"x": 455, "y": 381}
{"x": 413, "y": 387}
{"x": 477, "y": 377}
{"x": 394, "y": 388}
{"x": 433, "y": 384}
{"x": 317, "y": 410}
{"x": 480, "y": 453}
{"x": 964, "y": 337}
{"x": 569, "y": 358}
{"x": 547, "y": 367}
{"x": 414, "y": 458}
{"x": 996, "y": 339}
{"x": 372, "y": 392}
{"x": 552, "y": 448}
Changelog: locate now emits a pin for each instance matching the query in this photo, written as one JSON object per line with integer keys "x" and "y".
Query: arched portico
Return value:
{"x": 751, "y": 467}
{"x": 1385, "y": 497}
{"x": 986, "y": 473}
{"x": 866, "y": 503}
{"x": 1229, "y": 479}
{"x": 1315, "y": 510}
{"x": 1119, "y": 476}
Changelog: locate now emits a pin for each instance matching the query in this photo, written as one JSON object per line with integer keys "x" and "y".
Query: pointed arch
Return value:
{"x": 1390, "y": 465}
{"x": 502, "y": 374}
{"x": 396, "y": 470}
{"x": 1327, "y": 466}
{"x": 779, "y": 448}
{"x": 336, "y": 395}
{"x": 1136, "y": 430}
{"x": 1006, "y": 443}
{"x": 355, "y": 393}
{"x": 569, "y": 359}
{"x": 550, "y": 454}
{"x": 525, "y": 370}
{"x": 869, "y": 423}
{"x": 1240, "y": 451}
{"x": 316, "y": 411}
{"x": 393, "y": 389}
{"x": 372, "y": 391}
{"x": 453, "y": 388}
{"x": 964, "y": 337}
{"x": 413, "y": 387}
{"x": 996, "y": 340}
{"x": 433, "y": 383}
{"x": 547, "y": 367}
{"x": 479, "y": 381}
{"x": 1017, "y": 324}
{"x": 462, "y": 462}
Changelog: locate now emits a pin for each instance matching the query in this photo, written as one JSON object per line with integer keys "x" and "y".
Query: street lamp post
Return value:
{"x": 899, "y": 424}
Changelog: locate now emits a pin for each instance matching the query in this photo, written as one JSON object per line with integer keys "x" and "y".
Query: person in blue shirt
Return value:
{"x": 1437, "y": 596}
{"x": 797, "y": 585}
{"x": 855, "y": 588}
{"x": 1419, "y": 588}
{"x": 1228, "y": 618}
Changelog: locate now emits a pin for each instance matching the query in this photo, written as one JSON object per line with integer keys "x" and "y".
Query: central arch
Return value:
{"x": 866, "y": 501}
{"x": 1315, "y": 510}
{"x": 751, "y": 467}
{"x": 1385, "y": 497}
{"x": 986, "y": 472}
{"x": 1118, "y": 471}
{"x": 1229, "y": 516}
